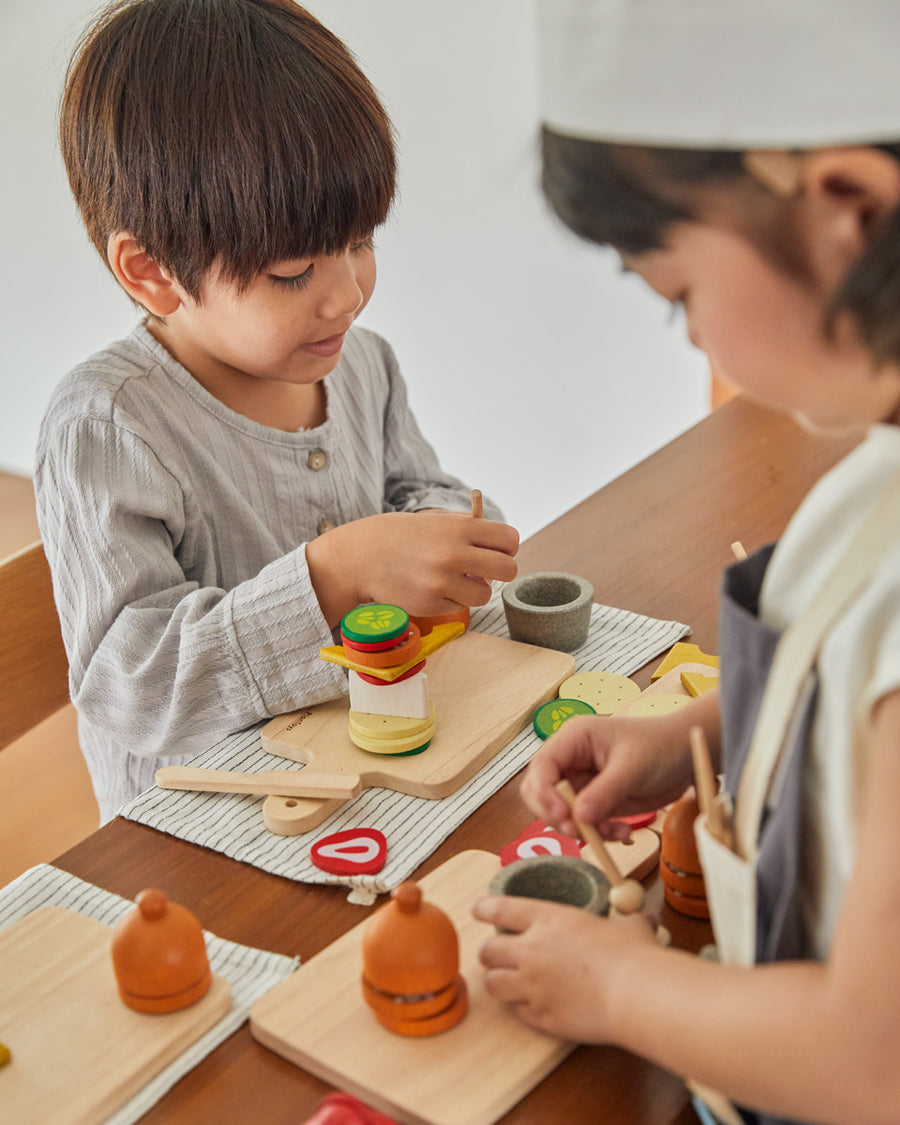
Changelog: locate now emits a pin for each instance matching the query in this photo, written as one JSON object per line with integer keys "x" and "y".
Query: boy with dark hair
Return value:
{"x": 218, "y": 489}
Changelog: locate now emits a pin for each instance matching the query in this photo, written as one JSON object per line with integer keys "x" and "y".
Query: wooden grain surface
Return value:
{"x": 654, "y": 541}
{"x": 78, "y": 1053}
{"x": 484, "y": 691}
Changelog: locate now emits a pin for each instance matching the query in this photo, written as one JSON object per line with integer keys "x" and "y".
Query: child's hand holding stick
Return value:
{"x": 705, "y": 782}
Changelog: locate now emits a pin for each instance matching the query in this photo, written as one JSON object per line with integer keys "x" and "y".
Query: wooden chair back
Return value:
{"x": 33, "y": 666}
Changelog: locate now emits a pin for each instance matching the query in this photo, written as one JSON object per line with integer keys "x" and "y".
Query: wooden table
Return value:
{"x": 654, "y": 541}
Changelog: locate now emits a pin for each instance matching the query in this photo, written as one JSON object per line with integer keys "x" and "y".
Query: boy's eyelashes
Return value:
{"x": 301, "y": 280}
{"x": 296, "y": 281}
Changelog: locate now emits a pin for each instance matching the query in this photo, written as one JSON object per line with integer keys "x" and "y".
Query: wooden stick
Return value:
{"x": 737, "y": 549}
{"x": 281, "y": 783}
{"x": 477, "y": 504}
{"x": 707, "y": 789}
{"x": 591, "y": 836}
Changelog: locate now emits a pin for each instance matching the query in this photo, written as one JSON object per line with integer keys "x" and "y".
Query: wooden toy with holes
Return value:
{"x": 485, "y": 690}
{"x": 78, "y": 1053}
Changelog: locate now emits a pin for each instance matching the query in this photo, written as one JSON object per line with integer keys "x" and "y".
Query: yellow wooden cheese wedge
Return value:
{"x": 695, "y": 684}
{"x": 437, "y": 638}
{"x": 683, "y": 653}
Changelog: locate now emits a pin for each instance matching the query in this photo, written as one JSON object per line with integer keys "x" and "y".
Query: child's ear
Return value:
{"x": 846, "y": 193}
{"x": 851, "y": 189}
{"x": 858, "y": 188}
{"x": 143, "y": 279}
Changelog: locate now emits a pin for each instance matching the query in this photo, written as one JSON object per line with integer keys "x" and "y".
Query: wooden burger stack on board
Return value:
{"x": 385, "y": 650}
{"x": 390, "y": 708}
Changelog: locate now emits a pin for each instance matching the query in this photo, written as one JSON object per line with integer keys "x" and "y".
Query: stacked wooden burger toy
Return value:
{"x": 385, "y": 651}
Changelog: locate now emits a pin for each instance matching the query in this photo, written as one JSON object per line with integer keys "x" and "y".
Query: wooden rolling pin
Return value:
{"x": 280, "y": 783}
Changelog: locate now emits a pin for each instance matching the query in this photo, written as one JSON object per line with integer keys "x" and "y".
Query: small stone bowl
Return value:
{"x": 551, "y": 609}
{"x": 555, "y": 878}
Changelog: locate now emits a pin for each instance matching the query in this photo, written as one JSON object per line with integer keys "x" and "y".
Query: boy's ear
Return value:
{"x": 140, "y": 276}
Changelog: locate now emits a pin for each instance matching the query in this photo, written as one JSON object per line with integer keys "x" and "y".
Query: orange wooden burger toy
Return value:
{"x": 159, "y": 956}
{"x": 410, "y": 976}
{"x": 679, "y": 863}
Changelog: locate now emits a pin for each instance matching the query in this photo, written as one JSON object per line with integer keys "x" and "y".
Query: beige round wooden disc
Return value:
{"x": 370, "y": 725}
{"x": 660, "y": 704}
{"x": 606, "y": 692}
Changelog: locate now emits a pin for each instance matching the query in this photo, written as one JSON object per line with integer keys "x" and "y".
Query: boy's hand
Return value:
{"x": 556, "y": 964}
{"x": 430, "y": 563}
{"x": 616, "y": 766}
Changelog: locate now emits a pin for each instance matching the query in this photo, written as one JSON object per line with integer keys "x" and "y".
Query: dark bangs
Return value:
{"x": 615, "y": 194}
{"x": 240, "y": 132}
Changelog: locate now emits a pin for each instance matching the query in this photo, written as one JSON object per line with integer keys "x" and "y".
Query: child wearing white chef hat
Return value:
{"x": 744, "y": 160}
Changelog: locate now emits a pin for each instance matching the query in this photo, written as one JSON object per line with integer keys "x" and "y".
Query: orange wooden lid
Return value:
{"x": 410, "y": 947}
{"x": 159, "y": 955}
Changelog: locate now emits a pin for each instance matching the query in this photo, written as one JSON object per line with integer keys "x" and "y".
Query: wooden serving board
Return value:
{"x": 485, "y": 690}
{"x": 470, "y": 1075}
{"x": 78, "y": 1053}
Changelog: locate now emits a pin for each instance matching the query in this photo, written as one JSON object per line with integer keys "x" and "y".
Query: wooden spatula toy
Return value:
{"x": 282, "y": 783}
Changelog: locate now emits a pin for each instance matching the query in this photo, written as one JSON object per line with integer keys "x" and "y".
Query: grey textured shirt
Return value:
{"x": 176, "y": 530}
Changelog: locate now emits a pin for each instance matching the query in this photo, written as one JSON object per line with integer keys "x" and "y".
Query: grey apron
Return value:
{"x": 768, "y": 696}
{"x": 746, "y": 649}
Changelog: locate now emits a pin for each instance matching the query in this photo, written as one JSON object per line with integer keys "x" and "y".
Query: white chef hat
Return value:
{"x": 722, "y": 73}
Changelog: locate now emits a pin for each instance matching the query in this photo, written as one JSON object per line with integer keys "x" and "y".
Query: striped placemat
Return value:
{"x": 249, "y": 972}
{"x": 618, "y": 641}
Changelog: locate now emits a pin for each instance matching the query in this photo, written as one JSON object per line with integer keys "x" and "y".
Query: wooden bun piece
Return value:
{"x": 159, "y": 956}
{"x": 410, "y": 976}
{"x": 679, "y": 861}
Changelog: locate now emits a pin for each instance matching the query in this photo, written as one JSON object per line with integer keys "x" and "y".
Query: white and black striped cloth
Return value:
{"x": 618, "y": 641}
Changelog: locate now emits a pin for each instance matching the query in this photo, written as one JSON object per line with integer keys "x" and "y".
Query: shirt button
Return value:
{"x": 316, "y": 460}
{"x": 325, "y": 525}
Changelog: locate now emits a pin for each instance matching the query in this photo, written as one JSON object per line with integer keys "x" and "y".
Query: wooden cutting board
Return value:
{"x": 485, "y": 690}
{"x": 470, "y": 1075}
{"x": 78, "y": 1053}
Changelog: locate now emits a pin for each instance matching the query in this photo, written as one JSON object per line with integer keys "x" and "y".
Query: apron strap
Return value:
{"x": 795, "y": 657}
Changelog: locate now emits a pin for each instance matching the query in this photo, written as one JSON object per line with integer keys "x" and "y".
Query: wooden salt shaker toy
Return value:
{"x": 410, "y": 975}
{"x": 159, "y": 956}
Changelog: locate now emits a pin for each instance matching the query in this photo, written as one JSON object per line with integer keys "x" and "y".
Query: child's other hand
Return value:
{"x": 557, "y": 963}
{"x": 616, "y": 766}
{"x": 430, "y": 563}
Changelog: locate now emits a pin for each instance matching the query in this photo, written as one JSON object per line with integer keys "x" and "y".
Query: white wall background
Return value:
{"x": 537, "y": 372}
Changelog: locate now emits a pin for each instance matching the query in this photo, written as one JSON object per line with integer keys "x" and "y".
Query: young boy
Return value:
{"x": 218, "y": 489}
{"x": 734, "y": 155}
